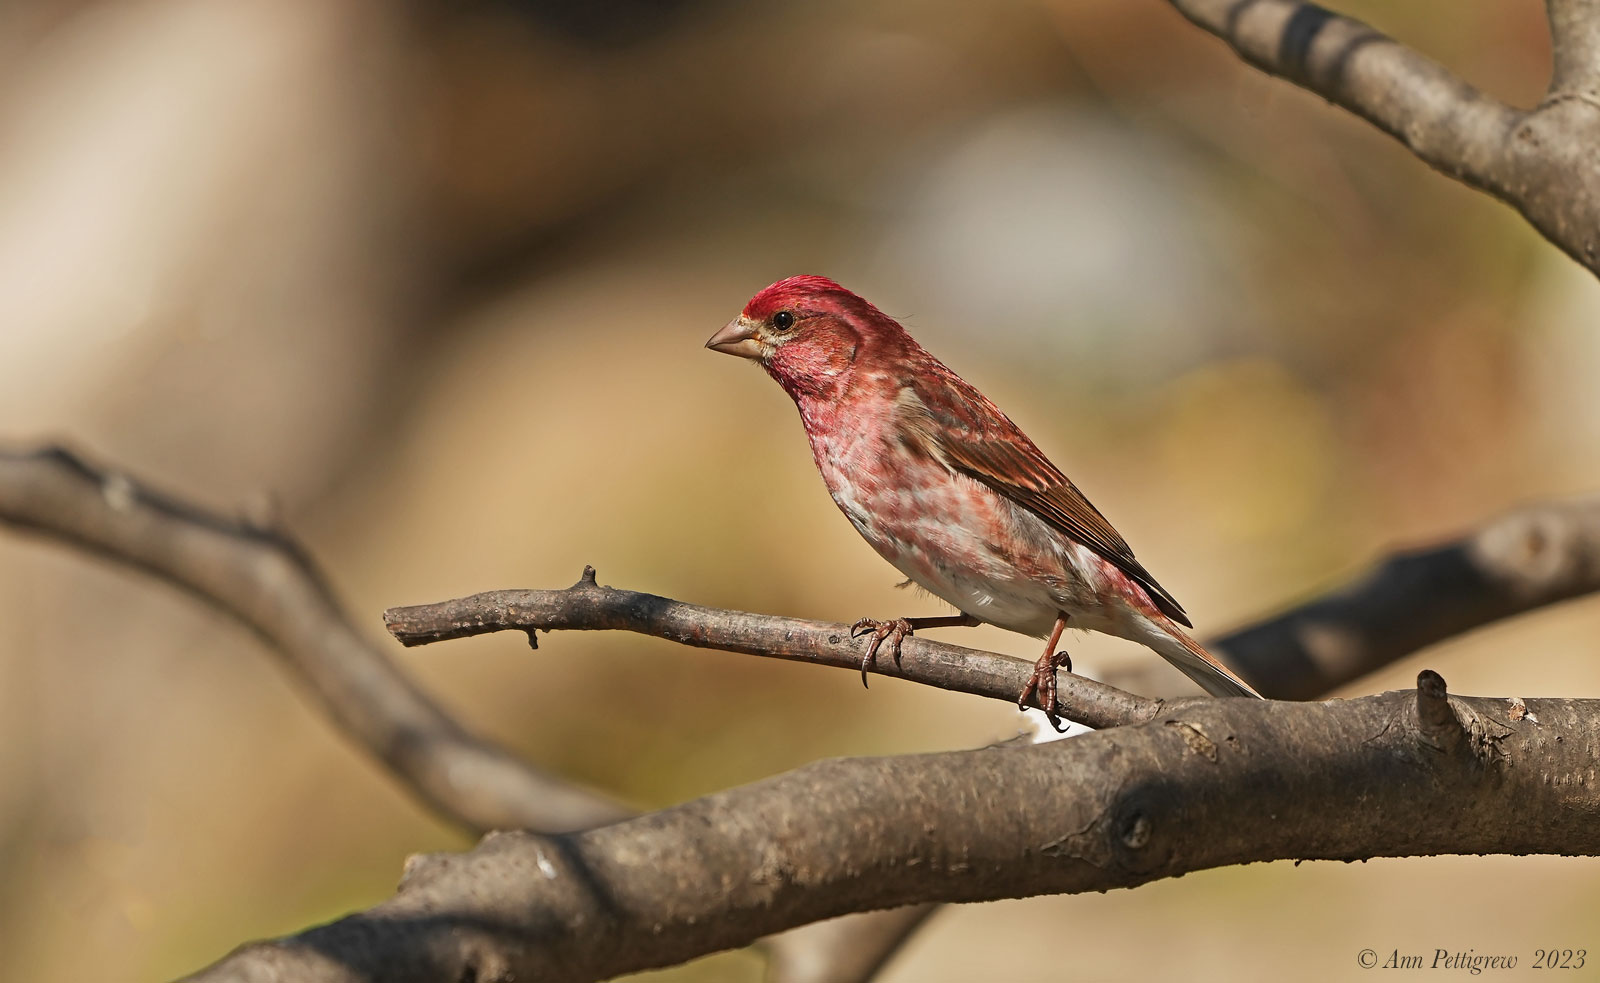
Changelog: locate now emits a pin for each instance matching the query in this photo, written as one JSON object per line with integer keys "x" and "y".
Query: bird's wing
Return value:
{"x": 960, "y": 426}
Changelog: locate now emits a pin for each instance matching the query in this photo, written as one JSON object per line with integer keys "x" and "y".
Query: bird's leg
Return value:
{"x": 947, "y": 621}
{"x": 898, "y": 629}
{"x": 1043, "y": 680}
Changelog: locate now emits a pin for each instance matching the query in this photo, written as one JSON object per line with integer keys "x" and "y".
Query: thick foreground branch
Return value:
{"x": 1540, "y": 161}
{"x": 1209, "y": 783}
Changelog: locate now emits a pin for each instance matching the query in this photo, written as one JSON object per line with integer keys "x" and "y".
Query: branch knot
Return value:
{"x": 1437, "y": 721}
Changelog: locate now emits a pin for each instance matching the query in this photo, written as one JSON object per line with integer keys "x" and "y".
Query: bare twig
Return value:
{"x": 586, "y": 606}
{"x": 1540, "y": 161}
{"x": 1210, "y": 783}
{"x": 263, "y": 579}
{"x": 1526, "y": 559}
{"x": 848, "y": 949}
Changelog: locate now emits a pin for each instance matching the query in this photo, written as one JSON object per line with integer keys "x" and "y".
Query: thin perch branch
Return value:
{"x": 1519, "y": 562}
{"x": 586, "y": 606}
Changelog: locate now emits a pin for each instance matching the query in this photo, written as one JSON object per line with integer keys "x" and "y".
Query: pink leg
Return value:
{"x": 1043, "y": 680}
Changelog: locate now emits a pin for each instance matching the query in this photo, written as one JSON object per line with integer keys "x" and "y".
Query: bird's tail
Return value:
{"x": 1170, "y": 642}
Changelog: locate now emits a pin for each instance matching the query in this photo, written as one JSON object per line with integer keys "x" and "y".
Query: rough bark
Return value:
{"x": 586, "y": 606}
{"x": 1209, "y": 783}
{"x": 1527, "y": 559}
{"x": 1541, "y": 161}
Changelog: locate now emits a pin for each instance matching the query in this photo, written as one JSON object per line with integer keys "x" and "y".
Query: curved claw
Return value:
{"x": 868, "y": 660}
{"x": 1043, "y": 682}
{"x": 898, "y": 629}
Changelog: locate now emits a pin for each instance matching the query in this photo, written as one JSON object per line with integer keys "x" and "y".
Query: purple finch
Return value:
{"x": 950, "y": 491}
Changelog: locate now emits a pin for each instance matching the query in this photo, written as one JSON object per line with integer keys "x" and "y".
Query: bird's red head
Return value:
{"x": 807, "y": 332}
{"x": 807, "y": 292}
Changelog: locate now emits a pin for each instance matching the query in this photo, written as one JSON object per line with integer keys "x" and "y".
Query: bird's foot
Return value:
{"x": 1043, "y": 682}
{"x": 896, "y": 629}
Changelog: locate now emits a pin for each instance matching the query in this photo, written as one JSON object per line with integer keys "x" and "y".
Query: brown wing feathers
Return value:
{"x": 978, "y": 440}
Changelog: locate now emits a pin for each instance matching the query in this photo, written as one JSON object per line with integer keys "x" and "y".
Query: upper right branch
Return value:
{"x": 1526, "y": 559}
{"x": 1539, "y": 161}
{"x": 1575, "y": 48}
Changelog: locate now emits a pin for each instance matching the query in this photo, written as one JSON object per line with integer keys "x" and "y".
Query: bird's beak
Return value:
{"x": 737, "y": 337}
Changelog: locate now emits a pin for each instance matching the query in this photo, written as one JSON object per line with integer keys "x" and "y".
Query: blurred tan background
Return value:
{"x": 435, "y": 278}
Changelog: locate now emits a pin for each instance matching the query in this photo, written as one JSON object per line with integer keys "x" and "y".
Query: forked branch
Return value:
{"x": 1540, "y": 160}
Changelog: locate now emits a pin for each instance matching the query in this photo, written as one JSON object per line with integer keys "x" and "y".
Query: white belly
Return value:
{"x": 951, "y": 536}
{"x": 1022, "y": 606}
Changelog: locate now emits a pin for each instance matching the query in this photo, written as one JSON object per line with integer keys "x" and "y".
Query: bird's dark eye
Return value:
{"x": 782, "y": 321}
